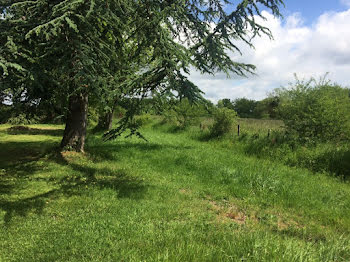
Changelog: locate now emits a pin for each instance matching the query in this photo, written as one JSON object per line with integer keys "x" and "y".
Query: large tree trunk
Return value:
{"x": 76, "y": 123}
{"x": 105, "y": 120}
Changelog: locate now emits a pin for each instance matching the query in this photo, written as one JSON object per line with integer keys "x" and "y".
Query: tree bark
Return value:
{"x": 76, "y": 123}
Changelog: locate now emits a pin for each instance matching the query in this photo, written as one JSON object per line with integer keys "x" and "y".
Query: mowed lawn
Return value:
{"x": 172, "y": 198}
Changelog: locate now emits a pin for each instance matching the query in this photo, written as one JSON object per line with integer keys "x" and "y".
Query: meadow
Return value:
{"x": 177, "y": 197}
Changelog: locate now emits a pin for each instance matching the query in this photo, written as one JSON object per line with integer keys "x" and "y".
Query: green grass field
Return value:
{"x": 174, "y": 198}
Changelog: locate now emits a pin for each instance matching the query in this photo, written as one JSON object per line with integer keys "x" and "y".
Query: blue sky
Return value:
{"x": 312, "y": 9}
{"x": 313, "y": 39}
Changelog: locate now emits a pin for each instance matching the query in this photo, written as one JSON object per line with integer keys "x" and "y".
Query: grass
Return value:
{"x": 267, "y": 139}
{"x": 172, "y": 199}
{"x": 251, "y": 126}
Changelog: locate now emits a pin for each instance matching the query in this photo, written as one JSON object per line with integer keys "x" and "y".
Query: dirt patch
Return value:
{"x": 18, "y": 128}
{"x": 237, "y": 217}
{"x": 186, "y": 192}
{"x": 282, "y": 224}
{"x": 71, "y": 155}
{"x": 228, "y": 212}
{"x": 25, "y": 130}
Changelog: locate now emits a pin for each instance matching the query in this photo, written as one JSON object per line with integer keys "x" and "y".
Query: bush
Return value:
{"x": 5, "y": 113}
{"x": 315, "y": 111}
{"x": 143, "y": 120}
{"x": 23, "y": 119}
{"x": 224, "y": 120}
{"x": 184, "y": 114}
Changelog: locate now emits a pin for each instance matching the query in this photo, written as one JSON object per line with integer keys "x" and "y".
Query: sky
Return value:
{"x": 311, "y": 40}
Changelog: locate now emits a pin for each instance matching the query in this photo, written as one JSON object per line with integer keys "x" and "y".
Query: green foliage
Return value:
{"x": 121, "y": 47}
{"x": 314, "y": 110}
{"x": 5, "y": 113}
{"x": 224, "y": 120}
{"x": 119, "y": 111}
{"x": 93, "y": 116}
{"x": 184, "y": 114}
{"x": 245, "y": 108}
{"x": 143, "y": 120}
{"x": 225, "y": 103}
{"x": 23, "y": 119}
{"x": 249, "y": 108}
{"x": 267, "y": 108}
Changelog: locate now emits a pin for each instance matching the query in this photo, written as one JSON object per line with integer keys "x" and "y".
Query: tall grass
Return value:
{"x": 173, "y": 198}
{"x": 267, "y": 139}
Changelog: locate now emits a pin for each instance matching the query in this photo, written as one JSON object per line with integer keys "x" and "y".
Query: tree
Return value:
{"x": 186, "y": 113}
{"x": 315, "y": 110}
{"x": 76, "y": 44}
{"x": 267, "y": 108}
{"x": 225, "y": 103}
{"x": 245, "y": 107}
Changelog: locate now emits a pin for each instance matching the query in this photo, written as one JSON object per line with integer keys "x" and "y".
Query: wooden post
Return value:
{"x": 238, "y": 130}
{"x": 268, "y": 133}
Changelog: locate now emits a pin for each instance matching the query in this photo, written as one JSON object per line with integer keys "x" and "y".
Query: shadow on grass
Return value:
{"x": 126, "y": 185}
{"x": 24, "y": 130}
{"x": 23, "y": 206}
{"x": 336, "y": 161}
{"x": 77, "y": 179}
{"x": 19, "y": 169}
{"x": 205, "y": 136}
{"x": 12, "y": 153}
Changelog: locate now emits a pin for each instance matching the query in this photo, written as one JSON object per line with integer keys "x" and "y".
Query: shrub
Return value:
{"x": 143, "y": 120}
{"x": 23, "y": 119}
{"x": 315, "y": 111}
{"x": 5, "y": 113}
{"x": 224, "y": 120}
{"x": 184, "y": 114}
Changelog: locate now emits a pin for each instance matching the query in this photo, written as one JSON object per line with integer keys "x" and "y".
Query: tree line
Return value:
{"x": 250, "y": 108}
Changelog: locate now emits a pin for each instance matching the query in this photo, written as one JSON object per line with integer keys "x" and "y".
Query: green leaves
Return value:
{"x": 72, "y": 24}
{"x": 123, "y": 48}
{"x": 314, "y": 110}
{"x": 224, "y": 119}
{"x": 6, "y": 65}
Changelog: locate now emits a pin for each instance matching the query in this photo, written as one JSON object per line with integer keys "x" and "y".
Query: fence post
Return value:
{"x": 268, "y": 133}
{"x": 238, "y": 130}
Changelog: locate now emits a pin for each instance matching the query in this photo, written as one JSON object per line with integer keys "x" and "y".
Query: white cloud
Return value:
{"x": 345, "y": 2}
{"x": 296, "y": 48}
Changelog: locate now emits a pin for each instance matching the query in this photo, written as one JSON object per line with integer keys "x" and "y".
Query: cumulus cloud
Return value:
{"x": 308, "y": 51}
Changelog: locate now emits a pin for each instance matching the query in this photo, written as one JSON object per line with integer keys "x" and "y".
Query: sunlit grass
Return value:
{"x": 173, "y": 198}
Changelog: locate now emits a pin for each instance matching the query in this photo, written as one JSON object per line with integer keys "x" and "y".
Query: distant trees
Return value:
{"x": 249, "y": 108}
{"x": 245, "y": 108}
{"x": 267, "y": 108}
{"x": 225, "y": 102}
